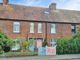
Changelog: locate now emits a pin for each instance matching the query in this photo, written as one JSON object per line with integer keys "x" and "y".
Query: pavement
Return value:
{"x": 57, "y": 57}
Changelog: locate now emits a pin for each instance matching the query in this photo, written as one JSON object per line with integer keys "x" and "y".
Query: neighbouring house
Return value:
{"x": 23, "y": 22}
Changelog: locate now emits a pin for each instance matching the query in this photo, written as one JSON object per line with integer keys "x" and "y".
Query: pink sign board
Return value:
{"x": 39, "y": 43}
{"x": 51, "y": 50}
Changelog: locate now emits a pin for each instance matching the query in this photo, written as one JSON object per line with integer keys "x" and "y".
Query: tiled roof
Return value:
{"x": 21, "y": 12}
{"x": 18, "y": 12}
{"x": 68, "y": 16}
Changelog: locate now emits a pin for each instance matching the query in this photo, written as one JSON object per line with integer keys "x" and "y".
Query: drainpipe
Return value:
{"x": 46, "y": 31}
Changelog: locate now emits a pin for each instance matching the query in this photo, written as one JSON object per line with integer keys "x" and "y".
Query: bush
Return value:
{"x": 1, "y": 51}
{"x": 62, "y": 45}
{"x": 27, "y": 43}
{"x": 69, "y": 45}
{"x": 5, "y": 41}
{"x": 44, "y": 43}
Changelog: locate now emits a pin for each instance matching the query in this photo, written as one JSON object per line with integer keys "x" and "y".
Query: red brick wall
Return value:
{"x": 62, "y": 30}
{"x": 36, "y": 34}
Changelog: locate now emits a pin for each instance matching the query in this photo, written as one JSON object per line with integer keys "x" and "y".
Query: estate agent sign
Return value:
{"x": 51, "y": 50}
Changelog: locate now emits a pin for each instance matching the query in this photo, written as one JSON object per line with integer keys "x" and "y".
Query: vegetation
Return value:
{"x": 64, "y": 45}
{"x": 1, "y": 51}
{"x": 5, "y": 41}
{"x": 27, "y": 43}
{"x": 44, "y": 43}
{"x": 69, "y": 45}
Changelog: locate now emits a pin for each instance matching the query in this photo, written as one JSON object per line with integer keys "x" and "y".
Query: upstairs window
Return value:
{"x": 73, "y": 28}
{"x": 39, "y": 28}
{"x": 16, "y": 27}
{"x": 53, "y": 29}
{"x": 31, "y": 27}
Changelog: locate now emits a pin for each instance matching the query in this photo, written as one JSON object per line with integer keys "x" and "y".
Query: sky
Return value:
{"x": 61, "y": 4}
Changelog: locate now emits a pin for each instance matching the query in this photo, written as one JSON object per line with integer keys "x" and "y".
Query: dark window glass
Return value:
{"x": 73, "y": 27}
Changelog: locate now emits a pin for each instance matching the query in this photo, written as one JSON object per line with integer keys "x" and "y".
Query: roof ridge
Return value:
{"x": 27, "y": 6}
{"x": 69, "y": 10}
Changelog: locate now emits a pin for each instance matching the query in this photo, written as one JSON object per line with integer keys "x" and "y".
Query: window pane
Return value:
{"x": 53, "y": 29}
{"x": 73, "y": 27}
{"x": 16, "y": 45}
{"x": 31, "y": 27}
{"x": 39, "y": 28}
{"x": 53, "y": 42}
{"x": 16, "y": 27}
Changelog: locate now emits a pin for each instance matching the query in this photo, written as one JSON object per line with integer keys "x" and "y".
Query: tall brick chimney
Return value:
{"x": 5, "y": 2}
{"x": 52, "y": 7}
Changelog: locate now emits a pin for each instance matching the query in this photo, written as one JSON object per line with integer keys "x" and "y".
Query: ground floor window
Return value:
{"x": 16, "y": 45}
{"x": 37, "y": 42}
{"x": 73, "y": 28}
{"x": 53, "y": 42}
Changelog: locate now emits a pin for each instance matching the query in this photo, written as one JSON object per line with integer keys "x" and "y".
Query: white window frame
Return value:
{"x": 16, "y": 27}
{"x": 73, "y": 27}
{"x": 31, "y": 27}
{"x": 53, "y": 30}
{"x": 53, "y": 42}
{"x": 16, "y": 45}
{"x": 39, "y": 27}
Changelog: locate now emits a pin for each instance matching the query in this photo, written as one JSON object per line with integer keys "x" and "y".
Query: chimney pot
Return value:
{"x": 52, "y": 7}
{"x": 5, "y": 2}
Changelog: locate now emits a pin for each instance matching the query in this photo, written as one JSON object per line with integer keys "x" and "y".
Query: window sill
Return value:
{"x": 31, "y": 32}
{"x": 16, "y": 32}
{"x": 39, "y": 32}
{"x": 53, "y": 33}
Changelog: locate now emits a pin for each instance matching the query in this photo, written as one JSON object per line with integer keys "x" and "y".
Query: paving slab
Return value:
{"x": 57, "y": 57}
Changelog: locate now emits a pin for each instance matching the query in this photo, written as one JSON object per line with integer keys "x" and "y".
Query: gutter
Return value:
{"x": 39, "y": 21}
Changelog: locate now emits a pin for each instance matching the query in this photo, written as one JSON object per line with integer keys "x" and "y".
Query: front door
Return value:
{"x": 38, "y": 44}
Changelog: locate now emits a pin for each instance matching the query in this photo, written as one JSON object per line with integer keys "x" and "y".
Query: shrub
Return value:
{"x": 62, "y": 45}
{"x": 69, "y": 45}
{"x": 1, "y": 51}
{"x": 76, "y": 41}
{"x": 44, "y": 43}
{"x": 5, "y": 41}
{"x": 26, "y": 44}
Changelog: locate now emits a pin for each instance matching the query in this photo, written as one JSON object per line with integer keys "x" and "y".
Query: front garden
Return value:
{"x": 19, "y": 47}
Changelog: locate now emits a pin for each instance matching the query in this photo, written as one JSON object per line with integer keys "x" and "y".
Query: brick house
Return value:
{"x": 19, "y": 21}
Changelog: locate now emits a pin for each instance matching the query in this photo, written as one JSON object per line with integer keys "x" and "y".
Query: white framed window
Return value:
{"x": 16, "y": 27}
{"x": 39, "y": 28}
{"x": 53, "y": 42}
{"x": 31, "y": 27}
{"x": 16, "y": 45}
{"x": 73, "y": 27}
{"x": 53, "y": 28}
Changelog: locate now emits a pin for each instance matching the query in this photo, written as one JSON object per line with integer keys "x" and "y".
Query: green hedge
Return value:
{"x": 69, "y": 45}
{"x": 5, "y": 42}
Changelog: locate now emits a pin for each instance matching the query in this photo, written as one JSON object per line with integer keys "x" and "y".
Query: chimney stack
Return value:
{"x": 52, "y": 7}
{"x": 5, "y": 2}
